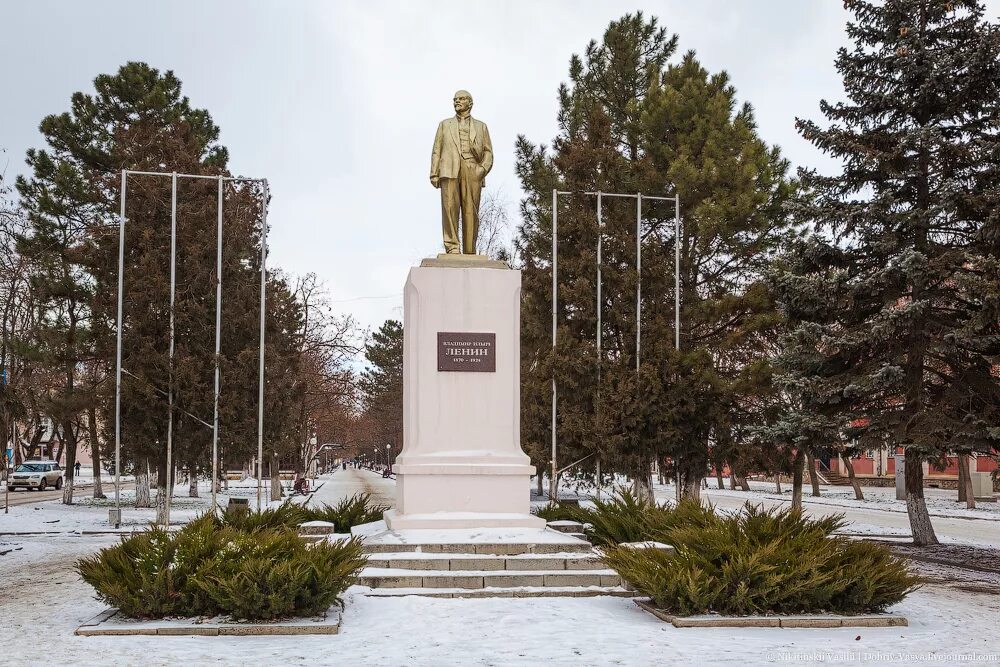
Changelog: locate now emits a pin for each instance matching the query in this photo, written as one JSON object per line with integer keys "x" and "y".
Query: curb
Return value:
{"x": 803, "y": 621}
{"x": 105, "y": 625}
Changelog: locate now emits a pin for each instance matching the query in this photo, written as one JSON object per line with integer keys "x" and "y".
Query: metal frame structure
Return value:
{"x": 553, "y": 487}
{"x": 218, "y": 328}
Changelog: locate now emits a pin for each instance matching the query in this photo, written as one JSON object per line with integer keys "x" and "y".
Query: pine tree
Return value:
{"x": 382, "y": 384}
{"x": 896, "y": 297}
{"x": 631, "y": 123}
{"x": 61, "y": 340}
{"x": 139, "y": 119}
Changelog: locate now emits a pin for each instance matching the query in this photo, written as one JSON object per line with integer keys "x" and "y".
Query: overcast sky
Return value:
{"x": 336, "y": 103}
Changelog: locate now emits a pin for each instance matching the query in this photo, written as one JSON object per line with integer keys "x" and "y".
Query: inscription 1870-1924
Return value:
{"x": 464, "y": 351}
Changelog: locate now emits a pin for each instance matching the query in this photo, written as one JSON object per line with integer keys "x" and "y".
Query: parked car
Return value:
{"x": 36, "y": 475}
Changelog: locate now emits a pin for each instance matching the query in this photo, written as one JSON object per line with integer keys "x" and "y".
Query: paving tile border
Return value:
{"x": 107, "y": 624}
{"x": 792, "y": 621}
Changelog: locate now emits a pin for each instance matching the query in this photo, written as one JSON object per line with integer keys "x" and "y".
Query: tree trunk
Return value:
{"x": 962, "y": 473}
{"x": 692, "y": 488}
{"x": 142, "y": 483}
{"x": 275, "y": 477}
{"x": 732, "y": 481}
{"x": 95, "y": 451}
{"x": 718, "y": 478}
{"x": 777, "y": 483}
{"x": 744, "y": 484}
{"x": 164, "y": 489}
{"x": 964, "y": 461}
{"x": 797, "y": 466}
{"x": 192, "y": 481}
{"x": 858, "y": 495}
{"x": 813, "y": 475}
{"x": 642, "y": 482}
{"x": 539, "y": 482}
{"x": 4, "y": 438}
{"x": 916, "y": 507}
{"x": 70, "y": 471}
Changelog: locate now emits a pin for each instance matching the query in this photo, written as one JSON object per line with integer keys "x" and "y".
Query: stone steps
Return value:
{"x": 568, "y": 527}
{"x": 374, "y": 577}
{"x": 497, "y": 548}
{"x": 485, "y": 563}
{"x": 517, "y": 592}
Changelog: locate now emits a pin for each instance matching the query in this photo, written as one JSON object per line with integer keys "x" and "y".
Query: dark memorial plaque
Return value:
{"x": 463, "y": 351}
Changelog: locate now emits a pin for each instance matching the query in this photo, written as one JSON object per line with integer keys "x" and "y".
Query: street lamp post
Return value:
{"x": 388, "y": 461}
{"x": 310, "y": 459}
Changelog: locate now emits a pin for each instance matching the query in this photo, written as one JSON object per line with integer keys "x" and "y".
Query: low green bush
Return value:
{"x": 285, "y": 515}
{"x": 762, "y": 561}
{"x": 349, "y": 512}
{"x": 346, "y": 514}
{"x": 627, "y": 517}
{"x": 554, "y": 512}
{"x": 206, "y": 569}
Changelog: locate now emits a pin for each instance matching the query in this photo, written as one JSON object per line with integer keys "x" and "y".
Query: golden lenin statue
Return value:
{"x": 461, "y": 158}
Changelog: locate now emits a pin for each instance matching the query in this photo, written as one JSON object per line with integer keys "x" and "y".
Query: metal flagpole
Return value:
{"x": 218, "y": 346}
{"x": 170, "y": 358}
{"x": 173, "y": 283}
{"x": 118, "y": 355}
{"x": 555, "y": 298}
{"x": 677, "y": 309}
{"x": 260, "y": 390}
{"x": 600, "y": 239}
{"x": 638, "y": 276}
{"x": 677, "y": 271}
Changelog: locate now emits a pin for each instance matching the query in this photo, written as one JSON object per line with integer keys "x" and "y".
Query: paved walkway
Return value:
{"x": 344, "y": 483}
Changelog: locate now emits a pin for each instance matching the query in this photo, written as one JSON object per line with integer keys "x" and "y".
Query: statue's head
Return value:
{"x": 462, "y": 101}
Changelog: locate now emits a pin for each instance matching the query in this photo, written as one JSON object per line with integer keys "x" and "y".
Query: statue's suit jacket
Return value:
{"x": 446, "y": 158}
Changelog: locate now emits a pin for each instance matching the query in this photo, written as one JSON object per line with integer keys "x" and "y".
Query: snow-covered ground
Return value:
{"x": 940, "y": 502}
{"x": 91, "y": 514}
{"x": 879, "y": 514}
{"x": 952, "y": 620}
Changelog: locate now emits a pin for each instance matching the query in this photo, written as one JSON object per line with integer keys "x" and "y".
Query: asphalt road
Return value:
{"x": 79, "y": 491}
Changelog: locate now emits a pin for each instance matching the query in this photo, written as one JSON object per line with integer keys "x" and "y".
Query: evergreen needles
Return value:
{"x": 347, "y": 513}
{"x": 759, "y": 562}
{"x": 207, "y": 569}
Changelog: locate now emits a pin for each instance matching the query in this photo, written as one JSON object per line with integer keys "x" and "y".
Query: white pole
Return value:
{"x": 677, "y": 309}
{"x": 118, "y": 352}
{"x": 677, "y": 271}
{"x": 555, "y": 298}
{"x": 218, "y": 346}
{"x": 260, "y": 379}
{"x": 600, "y": 239}
{"x": 638, "y": 277}
{"x": 170, "y": 358}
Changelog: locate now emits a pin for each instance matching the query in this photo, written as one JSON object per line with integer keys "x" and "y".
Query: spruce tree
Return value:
{"x": 631, "y": 123}
{"x": 897, "y": 296}
{"x": 382, "y": 385}
{"x": 138, "y": 119}
{"x": 61, "y": 341}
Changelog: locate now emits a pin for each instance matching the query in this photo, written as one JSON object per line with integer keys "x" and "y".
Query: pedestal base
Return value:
{"x": 445, "y": 520}
{"x": 468, "y": 494}
{"x": 462, "y": 465}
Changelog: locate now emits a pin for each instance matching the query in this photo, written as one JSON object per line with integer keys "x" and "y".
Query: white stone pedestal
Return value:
{"x": 461, "y": 465}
